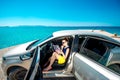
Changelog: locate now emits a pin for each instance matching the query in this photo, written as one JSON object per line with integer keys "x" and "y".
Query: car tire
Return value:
{"x": 17, "y": 74}
{"x": 115, "y": 67}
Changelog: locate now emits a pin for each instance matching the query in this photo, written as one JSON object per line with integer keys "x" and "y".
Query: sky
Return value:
{"x": 60, "y": 12}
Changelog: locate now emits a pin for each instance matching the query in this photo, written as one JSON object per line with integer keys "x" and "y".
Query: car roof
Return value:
{"x": 83, "y": 32}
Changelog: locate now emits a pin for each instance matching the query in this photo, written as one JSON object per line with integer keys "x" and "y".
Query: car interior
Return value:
{"x": 47, "y": 51}
{"x": 94, "y": 49}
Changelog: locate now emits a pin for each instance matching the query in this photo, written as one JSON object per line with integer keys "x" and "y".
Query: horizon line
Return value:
{"x": 57, "y": 26}
{"x": 48, "y": 22}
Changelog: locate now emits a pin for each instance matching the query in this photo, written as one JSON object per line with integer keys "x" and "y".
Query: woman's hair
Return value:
{"x": 66, "y": 39}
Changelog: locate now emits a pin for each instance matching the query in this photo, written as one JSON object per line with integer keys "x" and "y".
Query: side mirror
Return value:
{"x": 24, "y": 57}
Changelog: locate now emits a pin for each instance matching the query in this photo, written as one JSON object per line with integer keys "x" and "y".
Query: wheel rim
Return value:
{"x": 115, "y": 67}
{"x": 20, "y": 75}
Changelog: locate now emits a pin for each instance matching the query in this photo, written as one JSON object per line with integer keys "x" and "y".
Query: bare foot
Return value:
{"x": 47, "y": 69}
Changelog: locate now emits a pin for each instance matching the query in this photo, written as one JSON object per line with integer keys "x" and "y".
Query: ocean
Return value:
{"x": 10, "y": 36}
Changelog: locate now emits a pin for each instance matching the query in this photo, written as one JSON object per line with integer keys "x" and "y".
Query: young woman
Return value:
{"x": 60, "y": 55}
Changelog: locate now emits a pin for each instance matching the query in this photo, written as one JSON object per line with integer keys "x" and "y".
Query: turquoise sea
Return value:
{"x": 10, "y": 36}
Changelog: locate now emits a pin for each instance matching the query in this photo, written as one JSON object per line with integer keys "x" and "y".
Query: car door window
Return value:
{"x": 94, "y": 49}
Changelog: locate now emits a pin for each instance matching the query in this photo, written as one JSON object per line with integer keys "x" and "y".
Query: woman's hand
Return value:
{"x": 58, "y": 51}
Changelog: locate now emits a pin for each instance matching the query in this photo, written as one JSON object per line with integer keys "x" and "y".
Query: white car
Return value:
{"x": 93, "y": 56}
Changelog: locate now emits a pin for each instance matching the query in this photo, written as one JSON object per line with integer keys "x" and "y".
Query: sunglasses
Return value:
{"x": 63, "y": 42}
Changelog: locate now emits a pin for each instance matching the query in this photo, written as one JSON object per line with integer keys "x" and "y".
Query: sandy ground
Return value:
{"x": 2, "y": 51}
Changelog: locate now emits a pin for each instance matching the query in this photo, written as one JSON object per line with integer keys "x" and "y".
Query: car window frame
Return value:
{"x": 34, "y": 66}
{"x": 54, "y": 38}
{"x": 93, "y": 37}
{"x": 84, "y": 42}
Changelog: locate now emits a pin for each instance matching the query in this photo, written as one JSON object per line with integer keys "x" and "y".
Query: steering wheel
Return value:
{"x": 51, "y": 48}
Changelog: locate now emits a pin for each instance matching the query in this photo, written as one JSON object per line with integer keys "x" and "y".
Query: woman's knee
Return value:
{"x": 54, "y": 53}
{"x": 56, "y": 56}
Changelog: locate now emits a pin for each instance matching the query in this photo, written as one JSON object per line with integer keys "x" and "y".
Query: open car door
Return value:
{"x": 34, "y": 72}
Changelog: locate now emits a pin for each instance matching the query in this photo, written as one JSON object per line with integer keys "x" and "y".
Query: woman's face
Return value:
{"x": 64, "y": 42}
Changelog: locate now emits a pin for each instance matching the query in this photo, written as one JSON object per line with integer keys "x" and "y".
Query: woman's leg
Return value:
{"x": 47, "y": 62}
{"x": 52, "y": 59}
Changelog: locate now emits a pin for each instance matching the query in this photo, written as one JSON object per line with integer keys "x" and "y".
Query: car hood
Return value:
{"x": 19, "y": 50}
{"x": 117, "y": 39}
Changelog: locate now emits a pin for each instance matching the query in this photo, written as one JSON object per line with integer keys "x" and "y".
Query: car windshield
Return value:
{"x": 37, "y": 42}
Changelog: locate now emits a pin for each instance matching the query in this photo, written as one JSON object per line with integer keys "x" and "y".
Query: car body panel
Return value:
{"x": 19, "y": 50}
{"x": 15, "y": 63}
{"x": 85, "y": 69}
